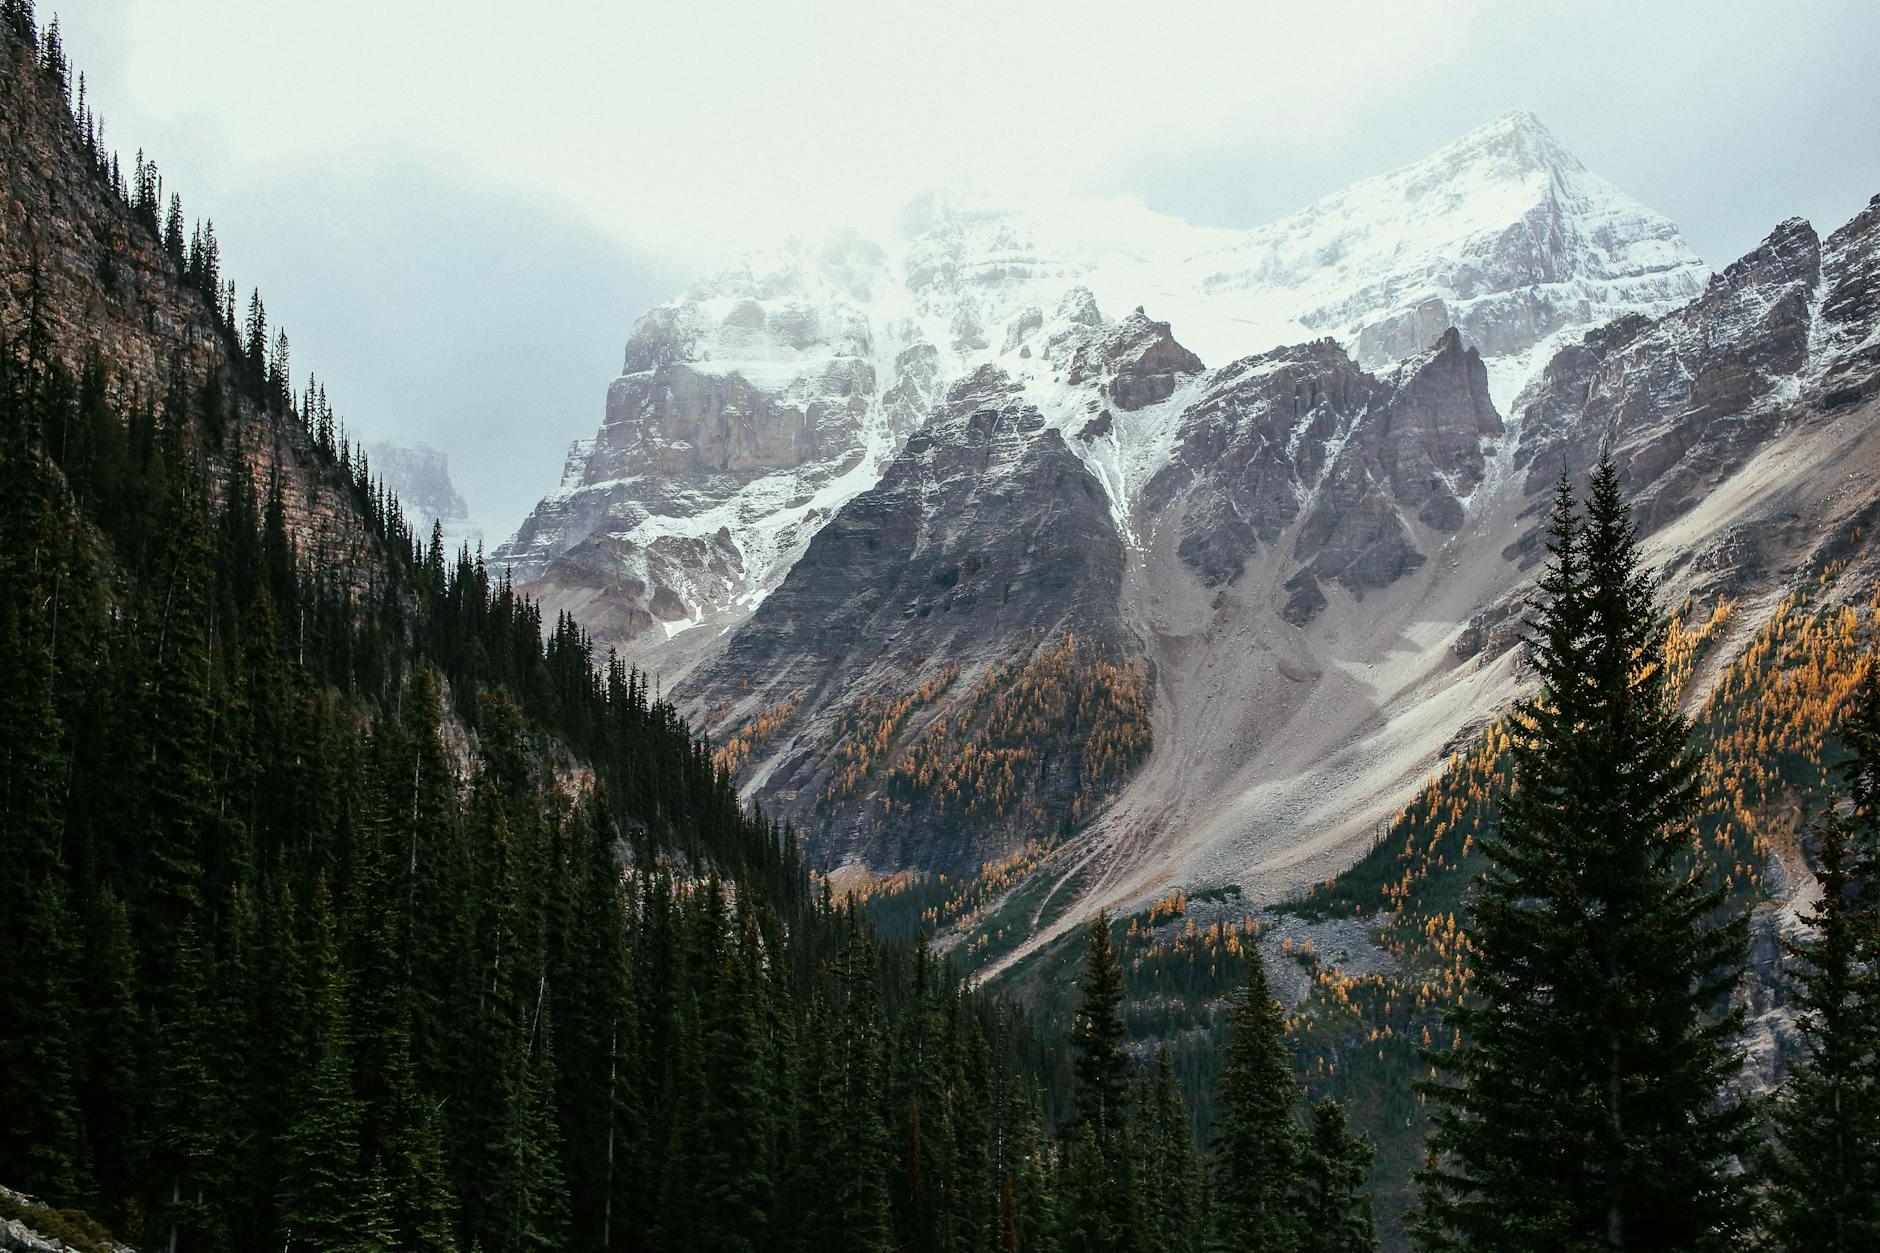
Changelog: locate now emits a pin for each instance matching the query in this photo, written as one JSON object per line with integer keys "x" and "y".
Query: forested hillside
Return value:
{"x": 345, "y": 907}
{"x": 348, "y": 904}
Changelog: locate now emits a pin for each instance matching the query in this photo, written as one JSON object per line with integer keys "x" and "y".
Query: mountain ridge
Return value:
{"x": 844, "y": 346}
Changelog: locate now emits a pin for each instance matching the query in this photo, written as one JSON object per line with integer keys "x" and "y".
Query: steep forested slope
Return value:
{"x": 344, "y": 906}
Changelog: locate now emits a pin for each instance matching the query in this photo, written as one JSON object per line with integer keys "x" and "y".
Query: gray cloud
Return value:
{"x": 458, "y": 219}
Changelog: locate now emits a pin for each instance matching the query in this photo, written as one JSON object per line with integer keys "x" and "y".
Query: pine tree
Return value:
{"x": 1583, "y": 1107}
{"x": 1097, "y": 1040}
{"x": 1101, "y": 1068}
{"x": 1172, "y": 1170}
{"x": 921, "y": 1113}
{"x": 1824, "y": 1166}
{"x": 45, "y": 1142}
{"x": 1258, "y": 1153}
{"x": 114, "y": 1031}
{"x": 184, "y": 1162}
{"x": 1337, "y": 1209}
{"x": 1028, "y": 1209}
{"x": 855, "y": 1174}
{"x": 599, "y": 1076}
{"x": 323, "y": 1184}
{"x": 377, "y": 1233}
{"x": 40, "y": 1019}
{"x": 1090, "y": 1219}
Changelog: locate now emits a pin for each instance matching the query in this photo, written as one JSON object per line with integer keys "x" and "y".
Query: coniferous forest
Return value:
{"x": 351, "y": 906}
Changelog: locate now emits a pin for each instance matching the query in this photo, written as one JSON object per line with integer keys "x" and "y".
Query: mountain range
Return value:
{"x": 1190, "y": 550}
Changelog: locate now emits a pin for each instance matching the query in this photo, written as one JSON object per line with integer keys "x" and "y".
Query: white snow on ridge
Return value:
{"x": 1503, "y": 234}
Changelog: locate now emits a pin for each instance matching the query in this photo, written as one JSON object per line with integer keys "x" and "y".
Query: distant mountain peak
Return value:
{"x": 758, "y": 404}
{"x": 1519, "y": 133}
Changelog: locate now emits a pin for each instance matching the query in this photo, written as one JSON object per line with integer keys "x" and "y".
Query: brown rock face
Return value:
{"x": 985, "y": 539}
{"x": 105, "y": 283}
{"x": 677, "y": 421}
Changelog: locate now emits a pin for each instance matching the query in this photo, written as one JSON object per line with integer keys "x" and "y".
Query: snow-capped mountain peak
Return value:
{"x": 758, "y": 404}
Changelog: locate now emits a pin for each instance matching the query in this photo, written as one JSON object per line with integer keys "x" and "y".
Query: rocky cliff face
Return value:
{"x": 986, "y": 543}
{"x": 1780, "y": 339}
{"x": 1014, "y": 521}
{"x": 746, "y": 413}
{"x": 1364, "y": 463}
{"x": 968, "y": 562}
{"x": 1289, "y": 716}
{"x": 750, "y": 410}
{"x": 103, "y": 282}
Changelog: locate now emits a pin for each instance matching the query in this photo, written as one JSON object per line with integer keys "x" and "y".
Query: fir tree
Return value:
{"x": 1258, "y": 1153}
{"x": 1090, "y": 1218}
{"x": 1097, "y": 1040}
{"x": 1100, "y": 1166}
{"x": 1583, "y": 1107}
{"x": 1337, "y": 1210}
{"x": 185, "y": 1162}
{"x": 1171, "y": 1172}
{"x": 855, "y": 1175}
{"x": 1824, "y": 1166}
{"x": 323, "y": 1184}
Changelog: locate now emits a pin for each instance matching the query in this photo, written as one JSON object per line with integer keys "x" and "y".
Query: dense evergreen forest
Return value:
{"x": 350, "y": 906}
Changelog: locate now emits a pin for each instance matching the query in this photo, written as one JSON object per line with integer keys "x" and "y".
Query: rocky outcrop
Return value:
{"x": 1850, "y": 310}
{"x": 1258, "y": 435}
{"x": 1361, "y": 462}
{"x": 1688, "y": 399}
{"x": 1136, "y": 362}
{"x": 745, "y": 414}
{"x": 985, "y": 539}
{"x": 28, "y": 1225}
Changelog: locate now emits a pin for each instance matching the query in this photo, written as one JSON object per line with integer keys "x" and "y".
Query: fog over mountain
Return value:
{"x": 539, "y": 196}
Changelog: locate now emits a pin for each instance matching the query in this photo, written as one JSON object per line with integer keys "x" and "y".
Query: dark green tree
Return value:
{"x": 1583, "y": 1107}
{"x": 1337, "y": 1209}
{"x": 1101, "y": 1067}
{"x": 1258, "y": 1151}
{"x": 1171, "y": 1169}
{"x": 1824, "y": 1161}
{"x": 1098, "y": 1040}
{"x": 324, "y": 1183}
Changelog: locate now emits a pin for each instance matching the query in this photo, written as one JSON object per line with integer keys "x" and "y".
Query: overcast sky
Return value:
{"x": 458, "y": 208}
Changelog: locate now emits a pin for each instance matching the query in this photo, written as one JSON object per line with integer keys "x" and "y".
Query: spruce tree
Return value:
{"x": 858, "y": 1171}
{"x": 43, "y": 1045}
{"x": 114, "y": 1032}
{"x": 1824, "y": 1162}
{"x": 1258, "y": 1153}
{"x": 1101, "y": 1068}
{"x": 323, "y": 1184}
{"x": 1337, "y": 1210}
{"x": 1098, "y": 1036}
{"x": 1172, "y": 1169}
{"x": 1584, "y": 1106}
{"x": 1090, "y": 1219}
{"x": 185, "y": 1155}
